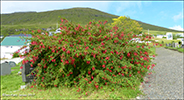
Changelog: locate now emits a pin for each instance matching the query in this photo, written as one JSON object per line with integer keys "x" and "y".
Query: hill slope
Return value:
{"x": 33, "y": 20}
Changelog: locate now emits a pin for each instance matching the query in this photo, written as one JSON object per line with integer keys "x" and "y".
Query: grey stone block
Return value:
{"x": 5, "y": 68}
{"x": 12, "y": 63}
{"x": 27, "y": 69}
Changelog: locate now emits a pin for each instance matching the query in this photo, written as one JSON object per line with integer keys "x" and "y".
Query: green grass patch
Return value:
{"x": 176, "y": 49}
{"x": 10, "y": 88}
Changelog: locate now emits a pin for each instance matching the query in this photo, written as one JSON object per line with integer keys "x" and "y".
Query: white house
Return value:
{"x": 11, "y": 44}
{"x": 169, "y": 36}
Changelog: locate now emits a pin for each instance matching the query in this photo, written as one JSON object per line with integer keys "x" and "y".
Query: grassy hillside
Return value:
{"x": 23, "y": 21}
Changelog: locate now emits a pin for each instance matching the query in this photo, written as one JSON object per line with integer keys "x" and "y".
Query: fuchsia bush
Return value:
{"x": 90, "y": 56}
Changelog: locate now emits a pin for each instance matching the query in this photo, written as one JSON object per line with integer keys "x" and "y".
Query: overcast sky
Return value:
{"x": 168, "y": 14}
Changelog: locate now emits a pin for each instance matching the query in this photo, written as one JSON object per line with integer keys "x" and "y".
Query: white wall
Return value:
{"x": 7, "y": 51}
{"x": 159, "y": 36}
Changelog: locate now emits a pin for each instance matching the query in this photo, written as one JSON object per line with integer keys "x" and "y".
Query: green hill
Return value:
{"x": 22, "y": 21}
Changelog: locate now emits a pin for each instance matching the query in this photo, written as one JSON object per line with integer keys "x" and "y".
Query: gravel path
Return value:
{"x": 167, "y": 81}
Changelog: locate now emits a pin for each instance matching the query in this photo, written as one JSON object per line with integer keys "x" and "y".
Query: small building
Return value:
{"x": 169, "y": 36}
{"x": 11, "y": 44}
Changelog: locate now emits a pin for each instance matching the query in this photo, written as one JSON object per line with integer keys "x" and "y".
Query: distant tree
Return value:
{"x": 127, "y": 25}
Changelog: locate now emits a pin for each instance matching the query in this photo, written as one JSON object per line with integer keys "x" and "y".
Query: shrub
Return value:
{"x": 126, "y": 25}
{"x": 15, "y": 54}
{"x": 90, "y": 56}
{"x": 162, "y": 42}
{"x": 179, "y": 42}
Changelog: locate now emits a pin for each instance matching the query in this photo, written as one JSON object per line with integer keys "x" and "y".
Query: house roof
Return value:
{"x": 13, "y": 41}
{"x": 28, "y": 35}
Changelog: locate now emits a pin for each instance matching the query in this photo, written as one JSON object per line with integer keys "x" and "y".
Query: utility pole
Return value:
{"x": 148, "y": 31}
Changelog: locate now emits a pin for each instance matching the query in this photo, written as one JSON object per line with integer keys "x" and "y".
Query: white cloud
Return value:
{"x": 177, "y": 27}
{"x": 177, "y": 17}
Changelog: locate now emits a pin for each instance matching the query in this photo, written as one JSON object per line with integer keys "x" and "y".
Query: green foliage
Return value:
{"x": 15, "y": 54}
{"x": 90, "y": 56}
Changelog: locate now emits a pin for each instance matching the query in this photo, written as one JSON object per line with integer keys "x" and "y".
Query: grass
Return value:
{"x": 165, "y": 40}
{"x": 11, "y": 84}
{"x": 177, "y": 49}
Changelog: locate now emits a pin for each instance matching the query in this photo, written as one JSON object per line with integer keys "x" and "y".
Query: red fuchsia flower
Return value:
{"x": 144, "y": 58}
{"x": 138, "y": 72}
{"x": 112, "y": 52}
{"x": 67, "y": 62}
{"x": 68, "y": 52}
{"x": 63, "y": 49}
{"x": 153, "y": 65}
{"x": 91, "y": 77}
{"x": 86, "y": 48}
{"x": 53, "y": 60}
{"x": 148, "y": 67}
{"x": 32, "y": 86}
{"x": 45, "y": 66}
{"x": 96, "y": 86}
{"x": 122, "y": 74}
{"x": 153, "y": 55}
{"x": 103, "y": 66}
{"x": 89, "y": 72}
{"x": 42, "y": 77}
{"x": 107, "y": 58}
{"x": 39, "y": 31}
{"x": 105, "y": 22}
{"x": 137, "y": 46}
{"x": 117, "y": 52}
{"x": 102, "y": 44}
{"x": 31, "y": 65}
{"x": 128, "y": 54}
{"x": 135, "y": 53}
{"x": 88, "y": 62}
{"x": 160, "y": 44}
{"x": 145, "y": 52}
{"x": 105, "y": 37}
{"x": 94, "y": 55}
{"x": 21, "y": 67}
{"x": 55, "y": 85}
{"x": 130, "y": 75}
{"x": 93, "y": 68}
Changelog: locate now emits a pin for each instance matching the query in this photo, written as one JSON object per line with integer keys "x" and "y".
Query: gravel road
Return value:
{"x": 167, "y": 81}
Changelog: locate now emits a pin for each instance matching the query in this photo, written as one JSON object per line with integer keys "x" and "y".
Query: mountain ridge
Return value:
{"x": 77, "y": 15}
